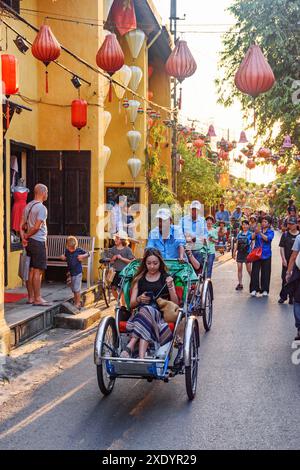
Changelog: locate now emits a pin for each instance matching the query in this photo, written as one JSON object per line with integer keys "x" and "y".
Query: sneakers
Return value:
{"x": 265, "y": 294}
{"x": 239, "y": 287}
{"x": 253, "y": 293}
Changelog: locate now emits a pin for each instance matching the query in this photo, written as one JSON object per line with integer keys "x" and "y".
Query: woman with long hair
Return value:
{"x": 147, "y": 324}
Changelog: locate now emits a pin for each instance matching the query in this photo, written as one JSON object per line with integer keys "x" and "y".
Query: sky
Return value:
{"x": 199, "y": 91}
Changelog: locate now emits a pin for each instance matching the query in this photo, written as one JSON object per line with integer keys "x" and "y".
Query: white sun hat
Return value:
{"x": 196, "y": 205}
{"x": 164, "y": 214}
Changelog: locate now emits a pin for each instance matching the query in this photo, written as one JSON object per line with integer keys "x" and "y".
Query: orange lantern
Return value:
{"x": 150, "y": 95}
{"x": 264, "y": 152}
{"x": 281, "y": 170}
{"x": 79, "y": 116}
{"x": 10, "y": 79}
{"x": 250, "y": 164}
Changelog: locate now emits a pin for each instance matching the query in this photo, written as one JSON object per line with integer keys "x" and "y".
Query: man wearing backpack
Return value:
{"x": 33, "y": 232}
{"x": 242, "y": 249}
{"x": 286, "y": 245}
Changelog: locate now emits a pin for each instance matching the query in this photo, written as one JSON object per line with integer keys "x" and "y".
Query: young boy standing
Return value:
{"x": 74, "y": 257}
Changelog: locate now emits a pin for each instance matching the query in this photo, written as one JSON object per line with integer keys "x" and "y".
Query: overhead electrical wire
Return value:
{"x": 85, "y": 63}
{"x": 56, "y": 61}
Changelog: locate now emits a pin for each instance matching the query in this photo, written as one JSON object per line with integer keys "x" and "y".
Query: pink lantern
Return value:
{"x": 287, "y": 144}
{"x": 243, "y": 138}
{"x": 211, "y": 131}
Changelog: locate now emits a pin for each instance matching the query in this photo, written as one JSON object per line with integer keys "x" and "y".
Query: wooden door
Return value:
{"x": 67, "y": 176}
{"x": 76, "y": 195}
{"x": 46, "y": 167}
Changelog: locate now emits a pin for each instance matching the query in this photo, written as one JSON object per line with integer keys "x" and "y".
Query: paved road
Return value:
{"x": 248, "y": 392}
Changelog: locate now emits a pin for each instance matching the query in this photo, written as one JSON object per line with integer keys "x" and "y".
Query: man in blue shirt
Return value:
{"x": 237, "y": 215}
{"x": 167, "y": 238}
{"x": 194, "y": 228}
{"x": 223, "y": 215}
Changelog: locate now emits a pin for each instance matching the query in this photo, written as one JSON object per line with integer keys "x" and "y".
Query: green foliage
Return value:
{"x": 197, "y": 179}
{"x": 160, "y": 192}
{"x": 287, "y": 187}
{"x": 274, "y": 26}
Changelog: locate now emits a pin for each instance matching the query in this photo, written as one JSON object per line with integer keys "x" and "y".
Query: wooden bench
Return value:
{"x": 56, "y": 245}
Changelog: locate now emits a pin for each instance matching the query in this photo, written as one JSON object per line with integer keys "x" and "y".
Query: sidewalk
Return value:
{"x": 27, "y": 321}
{"x": 53, "y": 292}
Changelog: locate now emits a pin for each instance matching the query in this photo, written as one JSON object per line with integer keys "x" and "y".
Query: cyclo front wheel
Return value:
{"x": 207, "y": 310}
{"x": 191, "y": 371}
{"x": 109, "y": 345}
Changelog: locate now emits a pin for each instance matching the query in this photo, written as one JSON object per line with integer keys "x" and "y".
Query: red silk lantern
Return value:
{"x": 150, "y": 95}
{"x": 110, "y": 57}
{"x": 281, "y": 170}
{"x": 46, "y": 48}
{"x": 10, "y": 79}
{"x": 250, "y": 164}
{"x": 181, "y": 64}
{"x": 199, "y": 144}
{"x": 79, "y": 116}
{"x": 254, "y": 75}
{"x": 123, "y": 16}
{"x": 264, "y": 153}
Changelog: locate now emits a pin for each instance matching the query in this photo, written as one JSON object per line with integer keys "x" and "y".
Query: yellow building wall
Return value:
{"x": 4, "y": 330}
{"x": 49, "y": 127}
{"x": 117, "y": 170}
{"x": 117, "y": 173}
{"x": 23, "y": 127}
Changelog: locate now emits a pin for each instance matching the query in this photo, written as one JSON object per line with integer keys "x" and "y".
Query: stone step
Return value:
{"x": 80, "y": 321}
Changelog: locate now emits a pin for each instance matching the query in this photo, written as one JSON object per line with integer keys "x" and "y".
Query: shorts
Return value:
{"x": 117, "y": 279}
{"x": 76, "y": 282}
{"x": 38, "y": 255}
{"x": 241, "y": 257}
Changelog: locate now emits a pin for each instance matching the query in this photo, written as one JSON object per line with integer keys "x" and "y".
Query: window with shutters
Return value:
{"x": 14, "y": 4}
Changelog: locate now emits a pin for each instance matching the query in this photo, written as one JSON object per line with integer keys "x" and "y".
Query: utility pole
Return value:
{"x": 173, "y": 29}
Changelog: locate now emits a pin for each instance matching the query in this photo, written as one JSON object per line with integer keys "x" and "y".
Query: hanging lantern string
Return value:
{"x": 55, "y": 62}
{"x": 83, "y": 62}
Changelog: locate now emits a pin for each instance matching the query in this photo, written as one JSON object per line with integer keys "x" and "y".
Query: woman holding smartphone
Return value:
{"x": 147, "y": 324}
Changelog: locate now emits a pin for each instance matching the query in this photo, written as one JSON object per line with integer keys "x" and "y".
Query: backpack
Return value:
{"x": 243, "y": 244}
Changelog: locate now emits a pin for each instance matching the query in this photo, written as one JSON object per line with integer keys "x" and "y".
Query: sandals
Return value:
{"x": 126, "y": 353}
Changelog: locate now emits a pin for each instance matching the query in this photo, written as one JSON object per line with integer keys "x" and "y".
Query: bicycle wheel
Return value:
{"x": 191, "y": 371}
{"x": 109, "y": 345}
{"x": 207, "y": 310}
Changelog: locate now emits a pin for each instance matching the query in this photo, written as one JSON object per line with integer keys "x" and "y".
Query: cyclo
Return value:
{"x": 196, "y": 299}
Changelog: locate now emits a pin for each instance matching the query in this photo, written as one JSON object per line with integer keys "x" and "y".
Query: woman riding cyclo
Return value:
{"x": 146, "y": 324}
{"x": 166, "y": 241}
